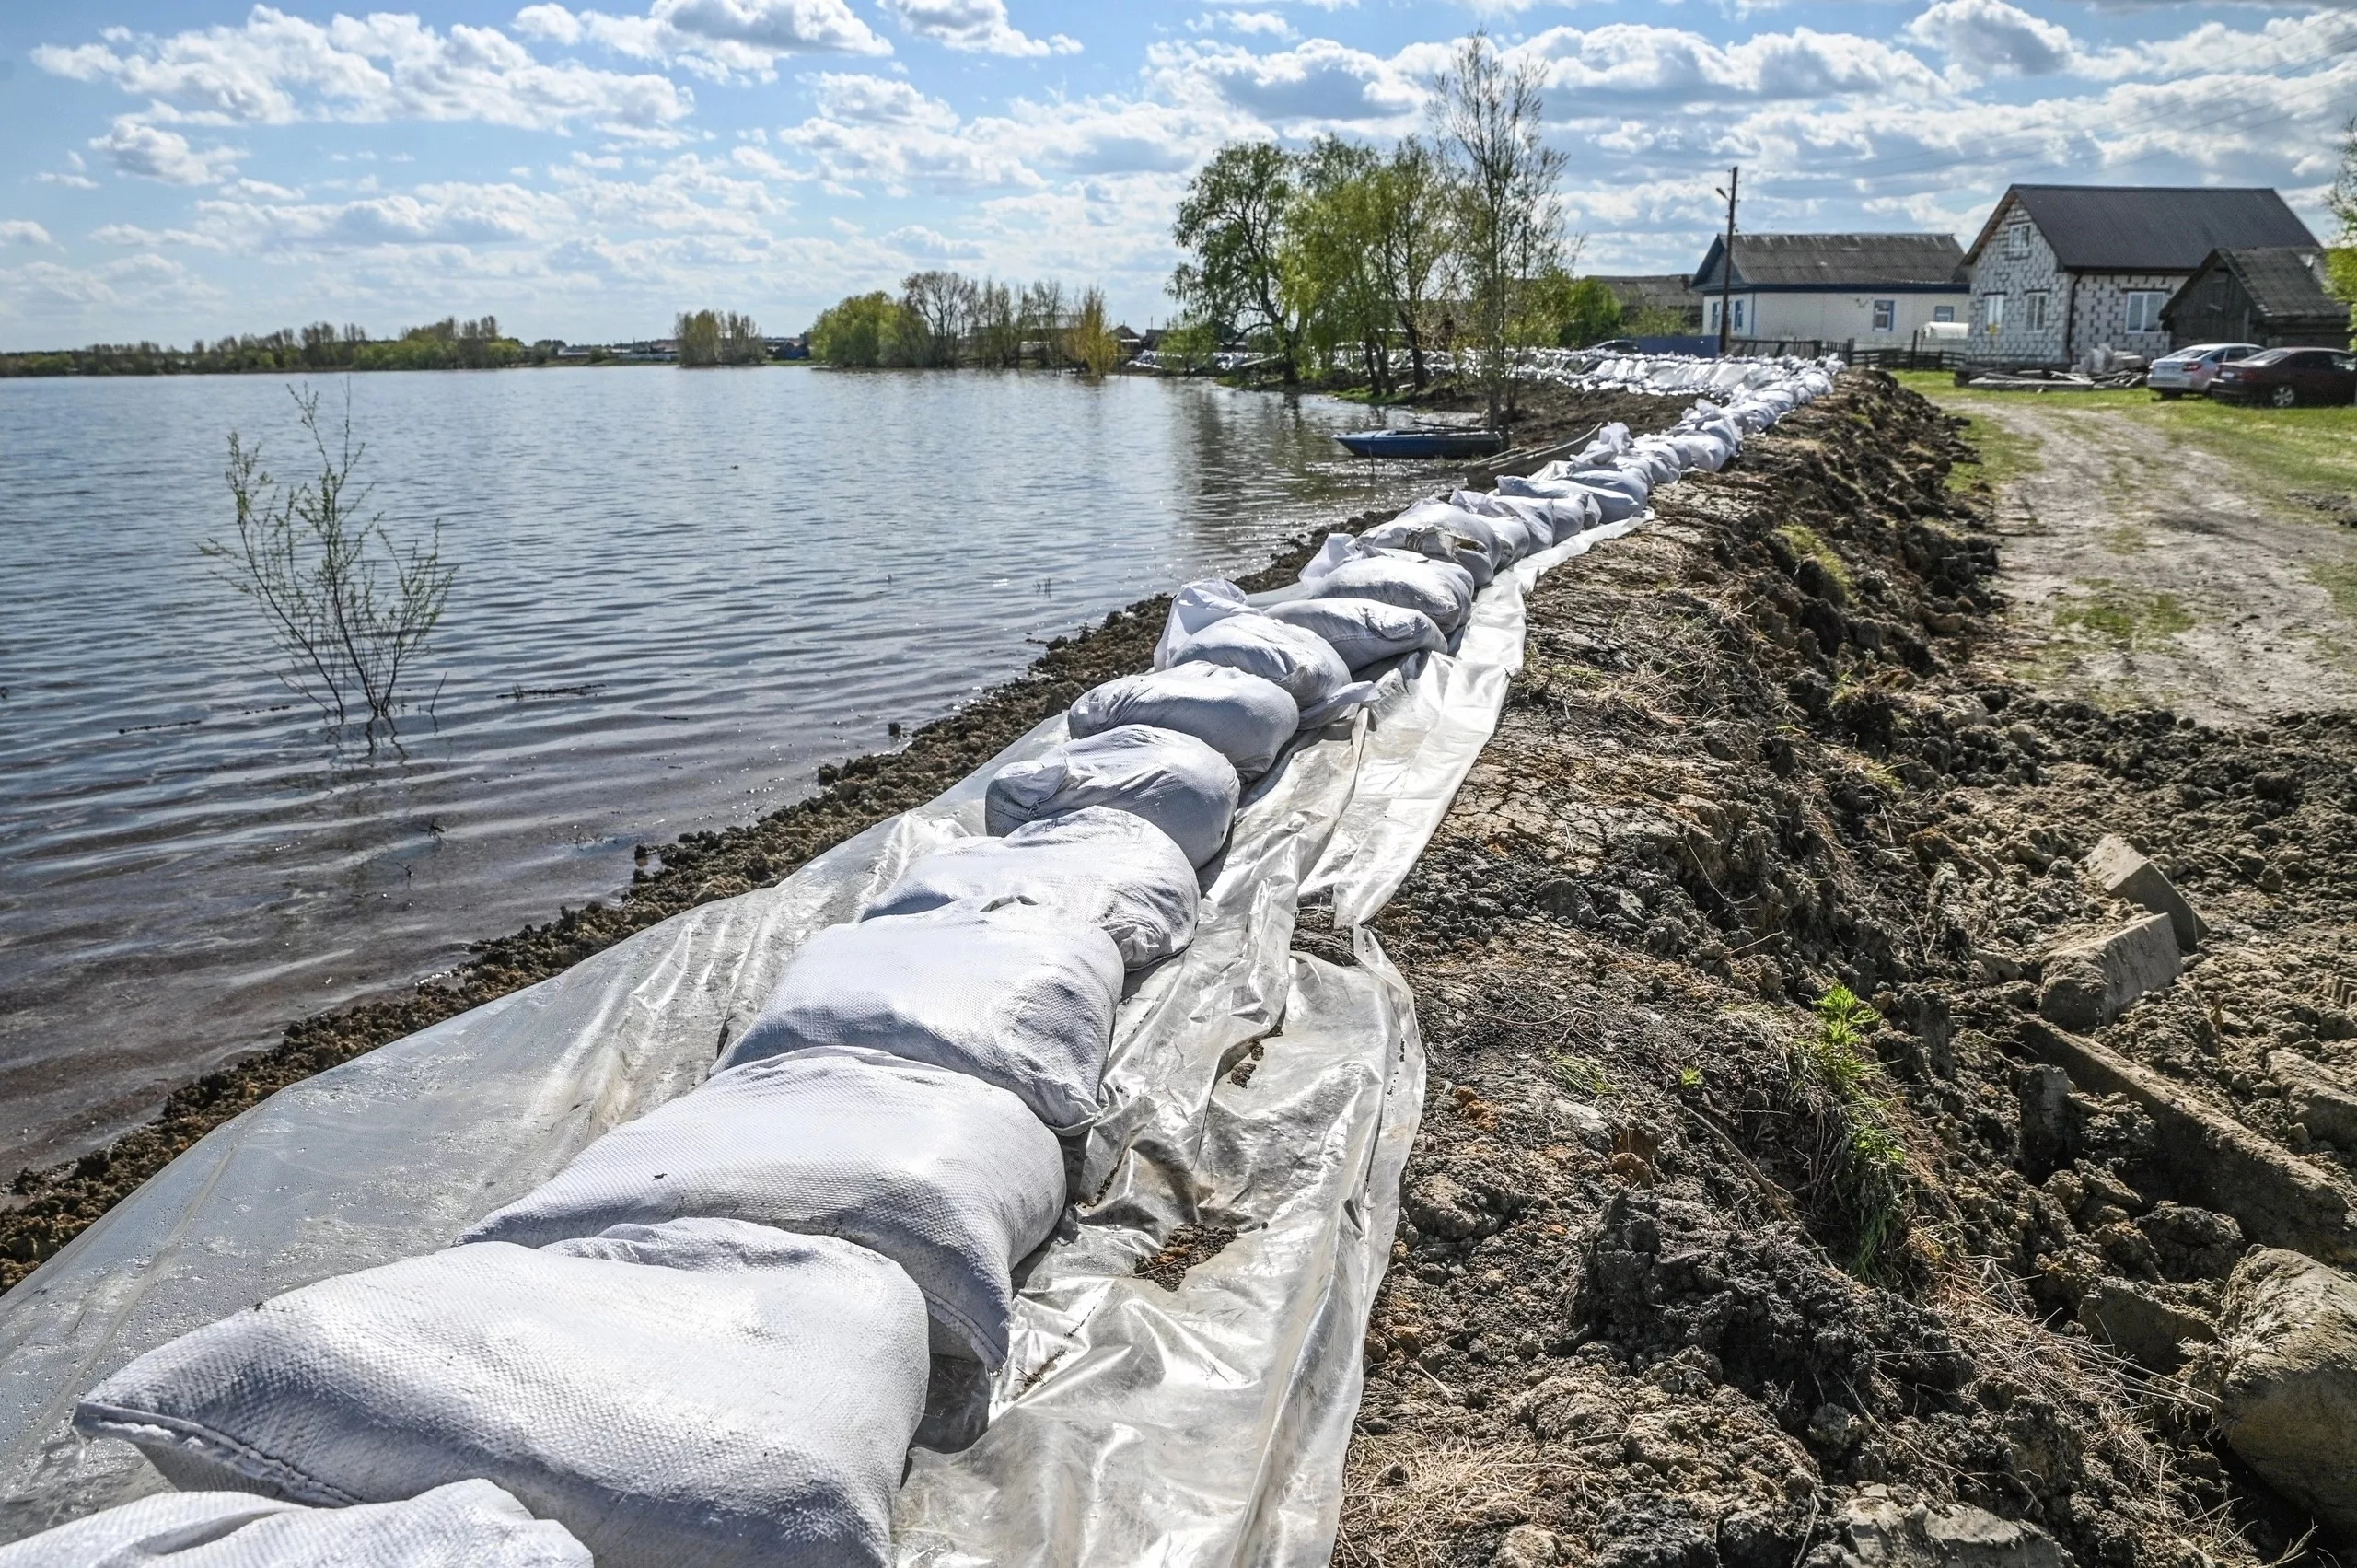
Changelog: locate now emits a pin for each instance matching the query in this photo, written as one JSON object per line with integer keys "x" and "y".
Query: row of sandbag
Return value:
{"x": 1672, "y": 375}
{"x": 707, "y": 1340}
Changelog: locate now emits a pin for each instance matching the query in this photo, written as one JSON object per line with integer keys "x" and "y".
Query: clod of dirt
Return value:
{"x": 1188, "y": 1246}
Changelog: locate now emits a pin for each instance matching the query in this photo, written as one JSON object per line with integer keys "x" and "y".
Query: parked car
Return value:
{"x": 2189, "y": 369}
{"x": 2282, "y": 378}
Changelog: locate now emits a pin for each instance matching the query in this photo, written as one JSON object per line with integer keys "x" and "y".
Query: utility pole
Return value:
{"x": 1727, "y": 261}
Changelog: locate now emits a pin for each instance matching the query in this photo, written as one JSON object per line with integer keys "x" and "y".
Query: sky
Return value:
{"x": 188, "y": 169}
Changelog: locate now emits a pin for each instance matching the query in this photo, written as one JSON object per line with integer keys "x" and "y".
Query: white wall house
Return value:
{"x": 2059, "y": 271}
{"x": 1875, "y": 288}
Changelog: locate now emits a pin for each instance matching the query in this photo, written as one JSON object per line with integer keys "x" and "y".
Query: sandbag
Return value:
{"x": 468, "y": 1524}
{"x": 1113, "y": 869}
{"x": 1312, "y": 674}
{"x": 1011, "y": 994}
{"x": 1617, "y": 501}
{"x": 1433, "y": 587}
{"x": 1363, "y": 630}
{"x": 1245, "y": 718}
{"x": 1443, "y": 532}
{"x": 1171, "y": 780}
{"x": 701, "y": 1394}
{"x": 951, "y": 1179}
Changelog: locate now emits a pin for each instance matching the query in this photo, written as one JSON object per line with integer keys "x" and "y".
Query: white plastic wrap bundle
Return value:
{"x": 1363, "y": 630}
{"x": 1169, "y": 779}
{"x": 1246, "y": 718}
{"x": 949, "y": 1177}
{"x": 1211, "y": 622}
{"x": 1108, "y": 866}
{"x": 1010, "y": 993}
{"x": 701, "y": 1394}
{"x": 1345, "y": 569}
{"x": 468, "y": 1524}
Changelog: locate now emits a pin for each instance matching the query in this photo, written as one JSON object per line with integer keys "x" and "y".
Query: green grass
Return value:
{"x": 2285, "y": 450}
{"x": 2337, "y": 578}
{"x": 1807, "y": 541}
{"x": 2127, "y": 618}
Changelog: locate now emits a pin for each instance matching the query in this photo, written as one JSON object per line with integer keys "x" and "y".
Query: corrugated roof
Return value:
{"x": 2148, "y": 229}
{"x": 2286, "y": 282}
{"x": 1837, "y": 260}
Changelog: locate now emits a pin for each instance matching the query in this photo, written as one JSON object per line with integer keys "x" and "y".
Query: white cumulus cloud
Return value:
{"x": 1992, "y": 37}
{"x": 979, "y": 27}
{"x": 23, "y": 231}
{"x": 717, "y": 37}
{"x": 276, "y": 69}
{"x": 149, "y": 152}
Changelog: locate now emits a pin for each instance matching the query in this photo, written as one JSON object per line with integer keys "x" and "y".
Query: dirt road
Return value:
{"x": 2143, "y": 569}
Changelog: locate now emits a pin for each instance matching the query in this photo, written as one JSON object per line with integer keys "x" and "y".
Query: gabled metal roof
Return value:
{"x": 1836, "y": 261}
{"x": 2146, "y": 228}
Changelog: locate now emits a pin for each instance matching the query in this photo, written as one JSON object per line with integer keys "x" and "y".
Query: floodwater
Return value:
{"x": 677, "y": 595}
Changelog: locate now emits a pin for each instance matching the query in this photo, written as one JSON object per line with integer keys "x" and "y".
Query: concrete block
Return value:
{"x": 2215, "y": 1161}
{"x": 2088, "y": 982}
{"x": 2319, "y": 1097}
{"x": 2287, "y": 1377}
{"x": 2122, "y": 873}
{"x": 2144, "y": 1330}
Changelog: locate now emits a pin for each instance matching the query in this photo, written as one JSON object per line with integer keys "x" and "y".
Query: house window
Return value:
{"x": 1886, "y": 315}
{"x": 2144, "y": 310}
{"x": 2034, "y": 310}
{"x": 1738, "y": 315}
{"x": 1943, "y": 312}
{"x": 1993, "y": 312}
{"x": 2017, "y": 239}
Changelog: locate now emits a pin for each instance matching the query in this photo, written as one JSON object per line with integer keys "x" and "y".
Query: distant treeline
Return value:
{"x": 447, "y": 344}
{"x": 946, "y": 320}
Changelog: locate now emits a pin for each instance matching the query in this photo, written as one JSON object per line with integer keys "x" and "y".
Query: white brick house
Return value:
{"x": 2061, "y": 270}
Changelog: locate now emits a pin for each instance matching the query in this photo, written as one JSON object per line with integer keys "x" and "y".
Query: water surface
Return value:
{"x": 725, "y": 578}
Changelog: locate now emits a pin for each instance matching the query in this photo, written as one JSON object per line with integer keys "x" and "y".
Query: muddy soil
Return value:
{"x": 2143, "y": 572}
{"x": 1745, "y": 1193}
{"x": 47, "y": 1208}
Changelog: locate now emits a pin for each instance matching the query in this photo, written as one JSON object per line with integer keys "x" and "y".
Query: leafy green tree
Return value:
{"x": 1094, "y": 345}
{"x": 2340, "y": 260}
{"x": 698, "y": 337}
{"x": 1591, "y": 314}
{"x": 1331, "y": 278}
{"x": 1232, "y": 225}
{"x": 1410, "y": 200}
{"x": 859, "y": 332}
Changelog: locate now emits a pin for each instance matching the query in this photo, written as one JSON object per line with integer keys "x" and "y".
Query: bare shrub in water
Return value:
{"x": 348, "y": 607}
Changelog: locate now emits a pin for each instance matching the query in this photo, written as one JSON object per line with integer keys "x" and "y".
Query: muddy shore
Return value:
{"x": 47, "y": 1208}
{"x": 1753, "y": 1198}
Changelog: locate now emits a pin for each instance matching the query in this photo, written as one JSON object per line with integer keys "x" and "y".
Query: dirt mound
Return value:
{"x": 1745, "y": 1183}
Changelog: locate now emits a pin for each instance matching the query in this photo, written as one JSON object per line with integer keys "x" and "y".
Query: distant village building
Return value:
{"x": 1659, "y": 298}
{"x": 2059, "y": 271}
{"x": 2272, "y": 296}
{"x": 1833, "y": 287}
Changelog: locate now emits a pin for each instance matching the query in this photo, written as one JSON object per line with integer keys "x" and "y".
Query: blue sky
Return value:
{"x": 194, "y": 168}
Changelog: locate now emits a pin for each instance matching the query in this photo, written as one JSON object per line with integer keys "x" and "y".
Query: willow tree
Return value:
{"x": 1332, "y": 275}
{"x": 1232, "y": 225}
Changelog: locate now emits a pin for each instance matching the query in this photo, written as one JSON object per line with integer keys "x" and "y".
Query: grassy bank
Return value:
{"x": 2291, "y": 454}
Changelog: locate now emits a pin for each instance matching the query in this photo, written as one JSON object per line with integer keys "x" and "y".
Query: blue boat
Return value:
{"x": 1426, "y": 442}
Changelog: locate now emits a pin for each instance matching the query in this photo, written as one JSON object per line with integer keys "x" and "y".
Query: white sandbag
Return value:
{"x": 1615, "y": 501}
{"x": 1550, "y": 518}
{"x": 1700, "y": 449}
{"x": 1312, "y": 674}
{"x": 1438, "y": 533}
{"x": 1171, "y": 780}
{"x": 702, "y": 1394}
{"x": 1192, "y": 609}
{"x": 1098, "y": 864}
{"x": 951, "y": 1179}
{"x": 468, "y": 1524}
{"x": 1011, "y": 994}
{"x": 1363, "y": 630}
{"x": 1438, "y": 590}
{"x": 1245, "y": 718}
